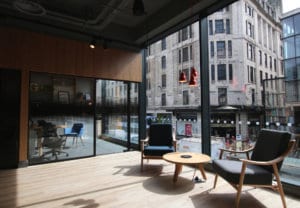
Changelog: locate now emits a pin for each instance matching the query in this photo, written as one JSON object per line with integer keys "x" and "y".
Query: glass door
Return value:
{"x": 111, "y": 116}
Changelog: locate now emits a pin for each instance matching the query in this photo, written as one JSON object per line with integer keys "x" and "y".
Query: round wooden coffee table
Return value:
{"x": 186, "y": 158}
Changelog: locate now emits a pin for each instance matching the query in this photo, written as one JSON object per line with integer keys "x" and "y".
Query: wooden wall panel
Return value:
{"x": 30, "y": 51}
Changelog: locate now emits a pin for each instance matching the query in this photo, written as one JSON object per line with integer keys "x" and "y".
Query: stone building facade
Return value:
{"x": 244, "y": 50}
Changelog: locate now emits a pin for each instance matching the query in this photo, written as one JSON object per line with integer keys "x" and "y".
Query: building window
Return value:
{"x": 190, "y": 31}
{"x": 266, "y": 60}
{"x": 210, "y": 27}
{"x": 163, "y": 62}
{"x": 260, "y": 57}
{"x": 163, "y": 81}
{"x": 221, "y": 51}
{"x": 163, "y": 99}
{"x": 249, "y": 10}
{"x": 184, "y": 34}
{"x": 185, "y": 54}
{"x": 253, "y": 96}
{"x": 148, "y": 84}
{"x": 250, "y": 52}
{"x": 230, "y": 72}
{"x": 219, "y": 26}
{"x": 275, "y": 65}
{"x": 261, "y": 77}
{"x": 191, "y": 52}
{"x": 229, "y": 48}
{"x": 222, "y": 96}
{"x": 212, "y": 73}
{"x": 271, "y": 62}
{"x": 221, "y": 72}
{"x": 163, "y": 44}
{"x": 251, "y": 74}
{"x": 249, "y": 29}
{"x": 212, "y": 49}
{"x": 227, "y": 26}
{"x": 185, "y": 97}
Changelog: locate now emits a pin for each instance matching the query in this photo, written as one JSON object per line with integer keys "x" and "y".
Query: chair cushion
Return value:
{"x": 230, "y": 170}
{"x": 269, "y": 145}
{"x": 157, "y": 150}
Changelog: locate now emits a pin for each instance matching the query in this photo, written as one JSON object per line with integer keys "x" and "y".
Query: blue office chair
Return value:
{"x": 75, "y": 132}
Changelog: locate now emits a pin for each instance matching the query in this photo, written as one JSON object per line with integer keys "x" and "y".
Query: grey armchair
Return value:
{"x": 266, "y": 160}
{"x": 160, "y": 141}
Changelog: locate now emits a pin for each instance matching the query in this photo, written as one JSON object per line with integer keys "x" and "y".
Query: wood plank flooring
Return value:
{"x": 115, "y": 181}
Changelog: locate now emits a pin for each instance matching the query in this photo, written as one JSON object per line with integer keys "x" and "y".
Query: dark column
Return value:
{"x": 204, "y": 80}
{"x": 142, "y": 99}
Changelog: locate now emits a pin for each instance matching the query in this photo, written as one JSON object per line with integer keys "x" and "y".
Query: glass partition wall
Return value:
{"x": 73, "y": 117}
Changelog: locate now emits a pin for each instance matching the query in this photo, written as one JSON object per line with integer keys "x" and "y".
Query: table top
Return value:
{"x": 186, "y": 157}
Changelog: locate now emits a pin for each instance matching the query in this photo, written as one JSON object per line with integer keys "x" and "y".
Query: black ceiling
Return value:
{"x": 110, "y": 21}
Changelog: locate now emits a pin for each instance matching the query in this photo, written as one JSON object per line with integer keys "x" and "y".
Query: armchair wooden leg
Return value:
{"x": 142, "y": 164}
{"x": 215, "y": 182}
{"x": 279, "y": 185}
{"x": 240, "y": 186}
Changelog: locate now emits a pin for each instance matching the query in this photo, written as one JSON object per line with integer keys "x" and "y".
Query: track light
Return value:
{"x": 93, "y": 44}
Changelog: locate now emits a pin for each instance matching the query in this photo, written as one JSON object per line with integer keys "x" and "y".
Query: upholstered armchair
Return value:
{"x": 160, "y": 140}
{"x": 266, "y": 160}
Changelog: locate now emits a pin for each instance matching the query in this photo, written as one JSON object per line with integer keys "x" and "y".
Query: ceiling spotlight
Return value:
{"x": 92, "y": 44}
{"x": 138, "y": 8}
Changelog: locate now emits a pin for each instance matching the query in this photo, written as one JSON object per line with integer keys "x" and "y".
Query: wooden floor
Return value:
{"x": 116, "y": 181}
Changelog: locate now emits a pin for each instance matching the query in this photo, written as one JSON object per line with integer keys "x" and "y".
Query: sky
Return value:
{"x": 289, "y": 5}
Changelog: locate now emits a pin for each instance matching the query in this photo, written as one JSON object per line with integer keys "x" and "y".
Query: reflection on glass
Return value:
{"x": 57, "y": 104}
{"x": 112, "y": 110}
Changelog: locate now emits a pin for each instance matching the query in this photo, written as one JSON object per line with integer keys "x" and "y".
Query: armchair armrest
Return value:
{"x": 246, "y": 151}
{"x": 174, "y": 144}
{"x": 143, "y": 143}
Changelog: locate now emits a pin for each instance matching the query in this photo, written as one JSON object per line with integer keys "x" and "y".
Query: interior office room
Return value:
{"x": 73, "y": 79}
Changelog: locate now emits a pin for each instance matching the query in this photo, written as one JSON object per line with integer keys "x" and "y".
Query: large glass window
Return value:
{"x": 288, "y": 27}
{"x": 297, "y": 26}
{"x": 290, "y": 69}
{"x": 289, "y": 47}
{"x": 116, "y": 116}
{"x": 61, "y": 117}
{"x": 297, "y": 45}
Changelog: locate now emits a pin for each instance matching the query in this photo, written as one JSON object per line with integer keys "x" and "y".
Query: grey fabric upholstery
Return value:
{"x": 230, "y": 170}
